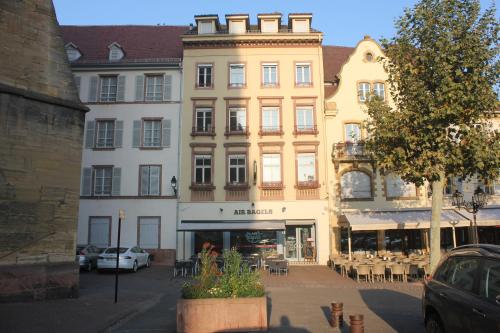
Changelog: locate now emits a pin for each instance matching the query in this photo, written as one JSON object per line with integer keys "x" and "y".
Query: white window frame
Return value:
{"x": 151, "y": 137}
{"x": 304, "y": 164}
{"x": 271, "y": 166}
{"x": 379, "y": 90}
{"x": 240, "y": 116}
{"x": 140, "y": 221}
{"x": 363, "y": 91}
{"x": 106, "y": 93}
{"x": 205, "y": 27}
{"x": 267, "y": 77}
{"x": 202, "y": 71}
{"x": 109, "y": 134}
{"x": 206, "y": 127}
{"x": 232, "y": 82}
{"x": 301, "y": 119}
{"x": 99, "y": 180}
{"x": 149, "y": 191}
{"x": 238, "y": 168}
{"x": 274, "y": 124}
{"x": 157, "y": 82}
{"x": 203, "y": 168}
{"x": 301, "y": 79}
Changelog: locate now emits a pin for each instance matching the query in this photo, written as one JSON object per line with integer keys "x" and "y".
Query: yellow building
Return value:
{"x": 252, "y": 159}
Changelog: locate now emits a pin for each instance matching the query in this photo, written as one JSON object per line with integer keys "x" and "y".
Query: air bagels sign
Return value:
{"x": 253, "y": 212}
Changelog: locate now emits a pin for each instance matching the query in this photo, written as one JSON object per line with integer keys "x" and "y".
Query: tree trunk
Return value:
{"x": 435, "y": 230}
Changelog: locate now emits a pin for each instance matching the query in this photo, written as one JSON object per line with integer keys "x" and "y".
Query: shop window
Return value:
{"x": 214, "y": 238}
{"x": 249, "y": 242}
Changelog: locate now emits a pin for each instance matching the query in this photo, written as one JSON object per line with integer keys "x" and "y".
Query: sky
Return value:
{"x": 343, "y": 22}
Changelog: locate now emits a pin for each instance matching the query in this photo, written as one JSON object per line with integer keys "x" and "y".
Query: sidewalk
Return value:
{"x": 94, "y": 310}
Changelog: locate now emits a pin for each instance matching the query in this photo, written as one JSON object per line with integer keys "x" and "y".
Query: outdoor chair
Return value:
{"x": 363, "y": 270}
{"x": 178, "y": 268}
{"x": 188, "y": 268}
{"x": 282, "y": 266}
{"x": 397, "y": 270}
{"x": 378, "y": 272}
{"x": 273, "y": 266}
{"x": 413, "y": 271}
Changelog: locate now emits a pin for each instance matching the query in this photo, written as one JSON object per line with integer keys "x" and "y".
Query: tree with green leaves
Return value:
{"x": 442, "y": 70}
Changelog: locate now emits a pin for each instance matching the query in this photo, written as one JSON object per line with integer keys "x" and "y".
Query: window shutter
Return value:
{"x": 139, "y": 88}
{"x": 86, "y": 189}
{"x": 116, "y": 186}
{"x": 93, "y": 89}
{"x": 166, "y": 129}
{"x": 167, "y": 85}
{"x": 78, "y": 80}
{"x": 89, "y": 134}
{"x": 118, "y": 134}
{"x": 120, "y": 90}
{"x": 144, "y": 180}
{"x": 136, "y": 134}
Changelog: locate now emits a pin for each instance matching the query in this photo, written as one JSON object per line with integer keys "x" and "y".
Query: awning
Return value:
{"x": 485, "y": 217}
{"x": 223, "y": 225}
{"x": 415, "y": 219}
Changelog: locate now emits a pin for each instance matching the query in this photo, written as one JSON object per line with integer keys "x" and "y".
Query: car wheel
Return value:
{"x": 433, "y": 324}
{"x": 135, "y": 267}
{"x": 148, "y": 263}
{"x": 89, "y": 267}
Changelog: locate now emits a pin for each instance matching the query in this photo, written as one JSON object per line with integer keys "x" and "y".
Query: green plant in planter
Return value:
{"x": 237, "y": 281}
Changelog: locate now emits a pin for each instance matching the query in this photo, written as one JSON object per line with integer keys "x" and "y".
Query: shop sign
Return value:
{"x": 253, "y": 211}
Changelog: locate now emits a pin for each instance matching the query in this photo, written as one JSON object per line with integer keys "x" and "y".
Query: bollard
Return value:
{"x": 337, "y": 315}
{"x": 357, "y": 325}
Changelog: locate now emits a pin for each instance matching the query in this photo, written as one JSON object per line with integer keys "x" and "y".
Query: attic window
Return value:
{"x": 369, "y": 56}
{"x": 115, "y": 52}
{"x": 205, "y": 27}
{"x": 72, "y": 52}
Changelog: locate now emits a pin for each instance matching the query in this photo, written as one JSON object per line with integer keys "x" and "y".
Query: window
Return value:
{"x": 115, "y": 52}
{"x": 352, "y": 132}
{"x": 151, "y": 133}
{"x": 355, "y": 185}
{"x": 363, "y": 91}
{"x": 236, "y": 75}
{"x": 379, "y": 90}
{"x": 149, "y": 232}
{"x": 269, "y": 25}
{"x": 271, "y": 168}
{"x": 303, "y": 74}
{"x": 99, "y": 231}
{"x": 270, "y": 119}
{"x": 204, "y": 76}
{"x": 237, "y": 119}
{"x": 203, "y": 169}
{"x": 109, "y": 86}
{"x": 270, "y": 75}
{"x": 103, "y": 180}
{"x": 150, "y": 180}
{"x": 305, "y": 118}
{"x": 398, "y": 188}
{"x": 205, "y": 27}
{"x": 306, "y": 168}
{"x": 489, "y": 282}
{"x": 461, "y": 273}
{"x": 154, "y": 88}
{"x": 204, "y": 120}
{"x": 105, "y": 133}
{"x": 453, "y": 184}
{"x": 72, "y": 53}
{"x": 237, "y": 169}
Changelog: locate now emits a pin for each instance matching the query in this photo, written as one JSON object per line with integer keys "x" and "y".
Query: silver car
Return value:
{"x": 86, "y": 255}
{"x": 130, "y": 258}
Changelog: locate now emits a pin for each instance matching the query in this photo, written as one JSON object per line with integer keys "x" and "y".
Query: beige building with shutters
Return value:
{"x": 252, "y": 173}
{"x": 131, "y": 81}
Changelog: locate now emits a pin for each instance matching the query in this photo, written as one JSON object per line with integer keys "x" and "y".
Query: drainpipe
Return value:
{"x": 179, "y": 173}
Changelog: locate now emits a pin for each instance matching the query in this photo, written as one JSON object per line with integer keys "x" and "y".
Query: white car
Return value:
{"x": 130, "y": 258}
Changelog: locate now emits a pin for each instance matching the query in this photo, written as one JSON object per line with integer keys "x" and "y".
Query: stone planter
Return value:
{"x": 248, "y": 314}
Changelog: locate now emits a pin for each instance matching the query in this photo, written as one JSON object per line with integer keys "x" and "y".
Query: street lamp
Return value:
{"x": 173, "y": 183}
{"x": 479, "y": 201}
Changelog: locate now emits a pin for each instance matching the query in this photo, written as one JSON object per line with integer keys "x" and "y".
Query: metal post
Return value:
{"x": 349, "y": 242}
{"x": 474, "y": 229}
{"x": 117, "y": 258}
{"x": 454, "y": 236}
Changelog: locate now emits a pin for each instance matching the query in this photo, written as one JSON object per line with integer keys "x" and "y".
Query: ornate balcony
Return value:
{"x": 350, "y": 152}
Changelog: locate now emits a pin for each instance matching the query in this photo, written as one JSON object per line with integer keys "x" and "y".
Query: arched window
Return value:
{"x": 355, "y": 185}
{"x": 398, "y": 188}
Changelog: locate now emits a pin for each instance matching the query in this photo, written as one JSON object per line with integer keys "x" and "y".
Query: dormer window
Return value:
{"x": 300, "y": 22}
{"x": 72, "y": 52}
{"x": 207, "y": 24}
{"x": 269, "y": 26}
{"x": 115, "y": 52}
{"x": 205, "y": 27}
{"x": 269, "y": 23}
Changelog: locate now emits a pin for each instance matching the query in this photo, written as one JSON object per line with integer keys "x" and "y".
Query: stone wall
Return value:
{"x": 41, "y": 131}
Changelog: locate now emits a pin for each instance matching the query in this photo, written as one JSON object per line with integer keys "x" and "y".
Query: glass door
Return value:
{"x": 295, "y": 241}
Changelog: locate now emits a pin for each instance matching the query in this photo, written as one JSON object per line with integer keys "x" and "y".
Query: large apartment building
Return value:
{"x": 252, "y": 172}
{"x": 130, "y": 78}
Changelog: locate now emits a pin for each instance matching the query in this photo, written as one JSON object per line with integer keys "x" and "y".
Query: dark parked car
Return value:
{"x": 87, "y": 255}
{"x": 463, "y": 295}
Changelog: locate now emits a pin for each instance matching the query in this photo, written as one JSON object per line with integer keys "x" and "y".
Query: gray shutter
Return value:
{"x": 166, "y": 129}
{"x": 118, "y": 134}
{"x": 116, "y": 186}
{"x": 94, "y": 80}
{"x": 136, "y": 134}
{"x": 86, "y": 189}
{"x": 78, "y": 81}
{"x": 139, "y": 88}
{"x": 90, "y": 134}
{"x": 167, "y": 87}
{"x": 144, "y": 181}
{"x": 120, "y": 90}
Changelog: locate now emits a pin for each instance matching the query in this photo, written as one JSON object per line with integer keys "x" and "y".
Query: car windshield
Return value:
{"x": 113, "y": 250}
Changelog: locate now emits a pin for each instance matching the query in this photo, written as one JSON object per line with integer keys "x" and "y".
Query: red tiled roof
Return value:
{"x": 138, "y": 42}
{"x": 334, "y": 57}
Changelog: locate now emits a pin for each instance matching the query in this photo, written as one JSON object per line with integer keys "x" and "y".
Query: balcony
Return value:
{"x": 236, "y": 130}
{"x": 350, "y": 152}
{"x": 270, "y": 130}
{"x": 305, "y": 130}
{"x": 203, "y": 131}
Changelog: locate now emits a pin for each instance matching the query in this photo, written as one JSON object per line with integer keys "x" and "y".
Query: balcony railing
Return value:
{"x": 236, "y": 130}
{"x": 271, "y": 130}
{"x": 199, "y": 130}
{"x": 301, "y": 129}
{"x": 350, "y": 151}
{"x": 251, "y": 31}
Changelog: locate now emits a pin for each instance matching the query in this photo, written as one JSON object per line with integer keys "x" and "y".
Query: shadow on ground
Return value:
{"x": 285, "y": 326}
{"x": 396, "y": 308}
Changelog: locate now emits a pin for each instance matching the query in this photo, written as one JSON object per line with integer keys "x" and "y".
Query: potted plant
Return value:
{"x": 230, "y": 301}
